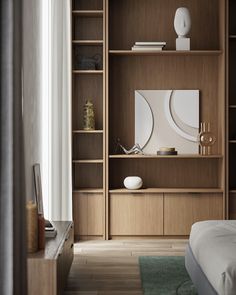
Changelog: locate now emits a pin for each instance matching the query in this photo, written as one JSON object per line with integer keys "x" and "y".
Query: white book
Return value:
{"x": 146, "y": 49}
{"x": 148, "y": 46}
{"x": 150, "y": 43}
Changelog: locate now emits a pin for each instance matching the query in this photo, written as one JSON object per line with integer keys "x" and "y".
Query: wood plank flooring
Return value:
{"x": 111, "y": 267}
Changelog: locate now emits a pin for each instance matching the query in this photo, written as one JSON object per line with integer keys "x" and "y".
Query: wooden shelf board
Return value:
{"x": 96, "y": 161}
{"x": 166, "y": 190}
{"x": 166, "y": 52}
{"x": 87, "y": 132}
{"x": 232, "y": 106}
{"x": 232, "y": 36}
{"x": 86, "y": 72}
{"x": 181, "y": 156}
{"x": 232, "y": 141}
{"x": 88, "y": 13}
{"x": 88, "y": 42}
{"x": 89, "y": 190}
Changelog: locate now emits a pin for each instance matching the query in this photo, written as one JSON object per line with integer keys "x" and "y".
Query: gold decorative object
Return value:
{"x": 89, "y": 118}
{"x": 206, "y": 139}
{"x": 32, "y": 227}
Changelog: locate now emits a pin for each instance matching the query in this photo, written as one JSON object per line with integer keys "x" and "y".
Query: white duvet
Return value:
{"x": 214, "y": 246}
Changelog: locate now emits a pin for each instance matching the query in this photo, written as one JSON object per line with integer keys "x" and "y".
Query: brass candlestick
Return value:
{"x": 206, "y": 139}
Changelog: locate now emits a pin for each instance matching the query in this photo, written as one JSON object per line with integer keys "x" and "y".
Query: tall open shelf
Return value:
{"x": 177, "y": 190}
{"x": 231, "y": 112}
{"x": 88, "y": 41}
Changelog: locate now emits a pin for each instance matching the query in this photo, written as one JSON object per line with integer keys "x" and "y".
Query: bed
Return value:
{"x": 211, "y": 257}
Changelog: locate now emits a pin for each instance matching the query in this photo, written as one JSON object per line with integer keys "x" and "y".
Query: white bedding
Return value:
{"x": 214, "y": 246}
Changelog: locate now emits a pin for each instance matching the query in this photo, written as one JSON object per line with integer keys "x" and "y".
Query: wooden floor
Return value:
{"x": 111, "y": 267}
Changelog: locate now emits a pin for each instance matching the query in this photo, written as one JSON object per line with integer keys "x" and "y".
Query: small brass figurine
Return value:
{"x": 206, "y": 139}
{"x": 89, "y": 118}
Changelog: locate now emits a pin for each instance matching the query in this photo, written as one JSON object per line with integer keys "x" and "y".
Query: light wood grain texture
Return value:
{"x": 112, "y": 268}
{"x": 87, "y": 72}
{"x": 88, "y": 13}
{"x": 89, "y": 149}
{"x": 88, "y": 42}
{"x": 182, "y": 210}
{"x": 94, "y": 161}
{"x": 166, "y": 52}
{"x": 88, "y": 214}
{"x": 87, "y": 131}
{"x": 88, "y": 176}
{"x": 161, "y": 72}
{"x": 89, "y": 191}
{"x": 165, "y": 190}
{"x": 89, "y": 28}
{"x": 132, "y": 21}
{"x": 167, "y": 173}
{"x": 132, "y": 214}
{"x": 180, "y": 156}
{"x": 88, "y": 5}
{"x": 110, "y": 28}
{"x": 48, "y": 269}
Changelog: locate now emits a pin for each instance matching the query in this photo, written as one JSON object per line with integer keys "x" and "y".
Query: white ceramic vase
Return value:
{"x": 133, "y": 182}
{"x": 182, "y": 22}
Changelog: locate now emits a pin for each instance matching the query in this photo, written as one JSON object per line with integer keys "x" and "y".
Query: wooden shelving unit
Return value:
{"x": 166, "y": 52}
{"x": 87, "y": 131}
{"x": 231, "y": 114}
{"x": 180, "y": 156}
{"x": 88, "y": 13}
{"x": 88, "y": 72}
{"x": 179, "y": 190}
{"x": 88, "y": 40}
{"x": 166, "y": 190}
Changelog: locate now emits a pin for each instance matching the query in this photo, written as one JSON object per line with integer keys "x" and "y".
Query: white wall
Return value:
{"x": 32, "y": 93}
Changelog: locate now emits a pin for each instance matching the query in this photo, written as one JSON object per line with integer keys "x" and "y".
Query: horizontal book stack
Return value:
{"x": 148, "y": 46}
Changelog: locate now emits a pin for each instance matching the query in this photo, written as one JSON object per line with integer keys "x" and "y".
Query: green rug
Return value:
{"x": 165, "y": 276}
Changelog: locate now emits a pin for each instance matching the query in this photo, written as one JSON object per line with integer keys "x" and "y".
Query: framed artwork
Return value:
{"x": 167, "y": 118}
{"x": 38, "y": 188}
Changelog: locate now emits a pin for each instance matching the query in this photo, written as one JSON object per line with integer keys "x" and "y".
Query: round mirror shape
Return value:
{"x": 144, "y": 120}
{"x": 182, "y": 22}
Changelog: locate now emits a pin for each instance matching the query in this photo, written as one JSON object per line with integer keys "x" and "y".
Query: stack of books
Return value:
{"x": 148, "y": 46}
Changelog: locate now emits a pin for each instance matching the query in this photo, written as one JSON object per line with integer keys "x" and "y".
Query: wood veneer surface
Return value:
{"x": 131, "y": 21}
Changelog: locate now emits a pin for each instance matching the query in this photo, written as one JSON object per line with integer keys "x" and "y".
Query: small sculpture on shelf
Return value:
{"x": 83, "y": 62}
{"x": 136, "y": 149}
{"x": 133, "y": 182}
{"x": 89, "y": 117}
{"x": 182, "y": 24}
{"x": 206, "y": 139}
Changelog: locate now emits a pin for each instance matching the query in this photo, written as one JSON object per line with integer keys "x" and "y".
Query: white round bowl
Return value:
{"x": 133, "y": 182}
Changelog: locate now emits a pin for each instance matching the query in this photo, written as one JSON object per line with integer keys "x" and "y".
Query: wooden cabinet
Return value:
{"x": 136, "y": 214}
{"x": 182, "y": 210}
{"x": 168, "y": 205}
{"x": 88, "y": 214}
{"x": 88, "y": 83}
{"x": 48, "y": 269}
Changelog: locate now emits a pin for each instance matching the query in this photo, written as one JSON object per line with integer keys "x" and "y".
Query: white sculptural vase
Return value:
{"x": 133, "y": 182}
{"x": 182, "y": 25}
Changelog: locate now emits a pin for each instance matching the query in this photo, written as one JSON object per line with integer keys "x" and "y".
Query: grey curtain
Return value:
{"x": 12, "y": 197}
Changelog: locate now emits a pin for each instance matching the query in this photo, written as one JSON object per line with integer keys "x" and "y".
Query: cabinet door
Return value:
{"x": 182, "y": 210}
{"x": 88, "y": 214}
{"x": 136, "y": 214}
